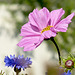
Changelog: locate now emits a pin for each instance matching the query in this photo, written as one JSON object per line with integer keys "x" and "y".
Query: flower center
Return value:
{"x": 69, "y": 63}
{"x": 46, "y": 29}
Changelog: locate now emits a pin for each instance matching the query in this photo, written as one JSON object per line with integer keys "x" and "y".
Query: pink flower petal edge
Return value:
{"x": 63, "y": 24}
{"x": 38, "y": 21}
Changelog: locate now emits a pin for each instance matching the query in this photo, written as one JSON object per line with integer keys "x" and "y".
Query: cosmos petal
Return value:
{"x": 36, "y": 30}
{"x": 29, "y": 43}
{"x": 56, "y": 16}
{"x": 39, "y": 18}
{"x": 40, "y": 40}
{"x": 48, "y": 34}
{"x": 63, "y": 24}
{"x": 29, "y": 30}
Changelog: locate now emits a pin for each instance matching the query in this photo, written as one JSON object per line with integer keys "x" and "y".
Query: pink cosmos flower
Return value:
{"x": 42, "y": 25}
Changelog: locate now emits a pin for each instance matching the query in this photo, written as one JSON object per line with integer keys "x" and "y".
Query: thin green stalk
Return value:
{"x": 52, "y": 39}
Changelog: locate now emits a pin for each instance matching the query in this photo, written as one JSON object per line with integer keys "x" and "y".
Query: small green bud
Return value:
{"x": 68, "y": 63}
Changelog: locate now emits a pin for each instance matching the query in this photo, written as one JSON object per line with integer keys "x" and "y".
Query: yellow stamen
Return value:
{"x": 46, "y": 29}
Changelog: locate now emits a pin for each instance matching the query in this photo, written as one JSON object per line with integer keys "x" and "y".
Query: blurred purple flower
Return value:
{"x": 68, "y": 73}
{"x": 42, "y": 25}
{"x": 18, "y": 62}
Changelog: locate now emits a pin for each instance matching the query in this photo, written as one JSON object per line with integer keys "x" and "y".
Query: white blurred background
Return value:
{"x": 40, "y": 56}
{"x": 13, "y": 14}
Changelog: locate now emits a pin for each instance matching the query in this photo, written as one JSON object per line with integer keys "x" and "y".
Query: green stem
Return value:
{"x": 52, "y": 39}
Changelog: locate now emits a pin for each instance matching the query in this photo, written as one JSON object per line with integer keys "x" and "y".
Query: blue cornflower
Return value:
{"x": 68, "y": 73}
{"x": 9, "y": 61}
{"x": 18, "y": 62}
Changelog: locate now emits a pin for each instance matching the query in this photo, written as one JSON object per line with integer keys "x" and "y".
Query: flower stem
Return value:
{"x": 17, "y": 73}
{"x": 17, "y": 70}
{"x": 52, "y": 39}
